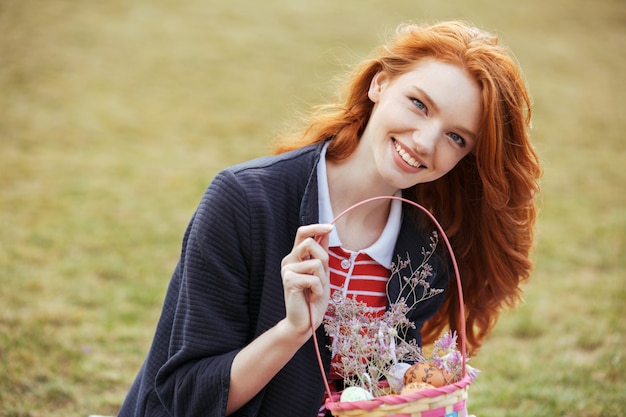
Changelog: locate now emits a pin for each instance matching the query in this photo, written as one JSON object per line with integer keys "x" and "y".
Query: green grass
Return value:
{"x": 115, "y": 115}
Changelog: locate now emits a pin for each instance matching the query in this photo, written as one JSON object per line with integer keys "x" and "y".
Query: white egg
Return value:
{"x": 355, "y": 394}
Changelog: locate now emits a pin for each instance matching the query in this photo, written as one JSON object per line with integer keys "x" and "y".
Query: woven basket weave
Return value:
{"x": 446, "y": 401}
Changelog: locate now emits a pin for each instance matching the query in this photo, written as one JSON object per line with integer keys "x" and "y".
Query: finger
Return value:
{"x": 310, "y": 287}
{"x": 306, "y": 247}
{"x": 311, "y": 249}
{"x": 312, "y": 231}
{"x": 302, "y": 274}
{"x": 300, "y": 285}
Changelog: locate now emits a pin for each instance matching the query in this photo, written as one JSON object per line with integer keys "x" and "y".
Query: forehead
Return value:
{"x": 437, "y": 74}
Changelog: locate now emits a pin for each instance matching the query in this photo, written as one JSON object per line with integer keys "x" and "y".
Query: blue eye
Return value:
{"x": 419, "y": 105}
{"x": 457, "y": 139}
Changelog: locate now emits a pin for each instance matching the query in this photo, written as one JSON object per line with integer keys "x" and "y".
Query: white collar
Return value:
{"x": 381, "y": 250}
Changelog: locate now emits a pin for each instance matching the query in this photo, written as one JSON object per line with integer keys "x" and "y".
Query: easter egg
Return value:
{"x": 355, "y": 394}
{"x": 428, "y": 373}
{"x": 415, "y": 386}
{"x": 396, "y": 376}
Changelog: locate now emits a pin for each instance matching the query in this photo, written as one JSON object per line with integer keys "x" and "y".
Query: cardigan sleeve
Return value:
{"x": 211, "y": 317}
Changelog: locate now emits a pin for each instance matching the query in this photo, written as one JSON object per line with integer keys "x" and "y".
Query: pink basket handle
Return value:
{"x": 456, "y": 273}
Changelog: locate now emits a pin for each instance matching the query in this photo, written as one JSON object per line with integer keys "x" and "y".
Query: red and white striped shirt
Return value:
{"x": 357, "y": 275}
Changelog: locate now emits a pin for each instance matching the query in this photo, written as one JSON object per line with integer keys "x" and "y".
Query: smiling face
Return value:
{"x": 423, "y": 122}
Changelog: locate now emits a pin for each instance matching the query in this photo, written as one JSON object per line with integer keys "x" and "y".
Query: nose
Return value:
{"x": 425, "y": 139}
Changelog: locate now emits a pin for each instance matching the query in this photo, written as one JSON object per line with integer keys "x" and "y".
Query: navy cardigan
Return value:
{"x": 227, "y": 289}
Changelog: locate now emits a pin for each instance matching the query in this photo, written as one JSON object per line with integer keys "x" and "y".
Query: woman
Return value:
{"x": 439, "y": 115}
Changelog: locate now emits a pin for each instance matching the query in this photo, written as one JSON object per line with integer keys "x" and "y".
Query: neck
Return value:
{"x": 352, "y": 180}
{"x": 350, "y": 184}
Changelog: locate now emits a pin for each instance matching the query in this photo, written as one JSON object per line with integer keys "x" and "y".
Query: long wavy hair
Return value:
{"x": 487, "y": 202}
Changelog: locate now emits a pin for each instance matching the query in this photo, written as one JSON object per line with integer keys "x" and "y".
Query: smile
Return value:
{"x": 406, "y": 157}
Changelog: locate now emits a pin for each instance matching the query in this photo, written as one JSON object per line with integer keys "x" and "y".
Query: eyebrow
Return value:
{"x": 426, "y": 97}
{"x": 435, "y": 107}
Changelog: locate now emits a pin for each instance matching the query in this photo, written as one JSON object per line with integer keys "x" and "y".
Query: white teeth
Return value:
{"x": 406, "y": 157}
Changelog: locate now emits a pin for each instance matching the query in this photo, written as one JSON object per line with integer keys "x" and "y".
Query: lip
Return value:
{"x": 401, "y": 163}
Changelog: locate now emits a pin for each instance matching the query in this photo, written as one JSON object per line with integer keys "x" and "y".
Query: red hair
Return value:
{"x": 487, "y": 202}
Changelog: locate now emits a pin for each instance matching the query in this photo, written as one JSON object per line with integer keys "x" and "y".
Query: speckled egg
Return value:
{"x": 427, "y": 373}
{"x": 415, "y": 386}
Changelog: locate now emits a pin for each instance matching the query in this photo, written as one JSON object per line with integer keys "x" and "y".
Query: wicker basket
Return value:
{"x": 446, "y": 401}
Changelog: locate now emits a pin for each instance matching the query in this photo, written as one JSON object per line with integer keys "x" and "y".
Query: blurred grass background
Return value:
{"x": 115, "y": 115}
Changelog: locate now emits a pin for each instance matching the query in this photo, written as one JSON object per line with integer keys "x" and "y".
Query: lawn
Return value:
{"x": 114, "y": 116}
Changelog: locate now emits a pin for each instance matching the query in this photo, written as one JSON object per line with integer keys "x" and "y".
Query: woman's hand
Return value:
{"x": 306, "y": 278}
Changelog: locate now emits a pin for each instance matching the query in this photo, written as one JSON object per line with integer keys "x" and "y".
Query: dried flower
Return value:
{"x": 368, "y": 347}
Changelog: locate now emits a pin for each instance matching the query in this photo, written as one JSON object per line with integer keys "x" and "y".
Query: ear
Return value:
{"x": 378, "y": 84}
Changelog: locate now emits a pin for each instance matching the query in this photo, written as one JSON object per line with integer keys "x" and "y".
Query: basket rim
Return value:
{"x": 333, "y": 405}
